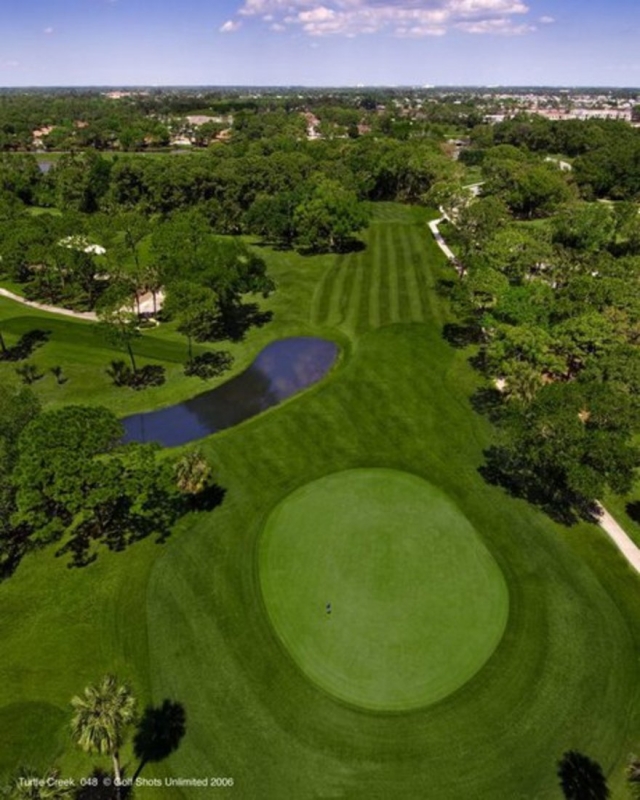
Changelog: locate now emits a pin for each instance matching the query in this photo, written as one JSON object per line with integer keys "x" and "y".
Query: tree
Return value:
{"x": 273, "y": 217}
{"x": 329, "y": 218}
{"x": 133, "y": 227}
{"x": 119, "y": 321}
{"x": 101, "y": 717}
{"x": 27, "y": 784}
{"x": 74, "y": 476}
{"x": 581, "y": 778}
{"x": 81, "y": 180}
{"x": 192, "y": 473}
{"x": 55, "y": 476}
{"x": 567, "y": 446}
{"x": 519, "y": 252}
{"x": 480, "y": 221}
{"x": 195, "y": 308}
{"x": 633, "y": 776}
{"x": 584, "y": 226}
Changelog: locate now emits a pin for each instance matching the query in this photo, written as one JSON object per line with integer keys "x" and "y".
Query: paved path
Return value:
{"x": 608, "y": 524}
{"x": 621, "y": 539}
{"x": 67, "y": 312}
{"x": 434, "y": 227}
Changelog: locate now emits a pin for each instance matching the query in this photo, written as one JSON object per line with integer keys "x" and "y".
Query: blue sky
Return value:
{"x": 320, "y": 42}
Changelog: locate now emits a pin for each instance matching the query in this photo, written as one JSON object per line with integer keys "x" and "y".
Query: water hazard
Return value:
{"x": 281, "y": 370}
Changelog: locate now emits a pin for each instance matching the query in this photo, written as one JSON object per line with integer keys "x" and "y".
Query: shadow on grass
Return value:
{"x": 127, "y": 529}
{"x": 488, "y": 402}
{"x": 159, "y": 733}
{"x": 26, "y": 345}
{"x": 98, "y": 787}
{"x": 207, "y": 500}
{"x": 341, "y": 248}
{"x": 633, "y": 511}
{"x": 461, "y": 336}
{"x": 236, "y": 319}
{"x": 547, "y": 491}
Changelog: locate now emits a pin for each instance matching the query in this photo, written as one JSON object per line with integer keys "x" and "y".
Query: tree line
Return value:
{"x": 550, "y": 291}
{"x": 605, "y": 153}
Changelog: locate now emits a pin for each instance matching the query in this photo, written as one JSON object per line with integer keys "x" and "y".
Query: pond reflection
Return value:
{"x": 281, "y": 370}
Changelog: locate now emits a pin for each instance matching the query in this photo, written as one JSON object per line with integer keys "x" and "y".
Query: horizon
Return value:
{"x": 319, "y": 87}
{"x": 324, "y": 43}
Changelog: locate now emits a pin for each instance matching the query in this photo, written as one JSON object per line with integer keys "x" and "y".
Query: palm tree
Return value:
{"x": 192, "y": 473}
{"x": 31, "y": 785}
{"x": 101, "y": 717}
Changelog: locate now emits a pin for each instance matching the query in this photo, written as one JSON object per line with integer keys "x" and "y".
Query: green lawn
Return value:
{"x": 416, "y": 602}
{"x": 187, "y": 620}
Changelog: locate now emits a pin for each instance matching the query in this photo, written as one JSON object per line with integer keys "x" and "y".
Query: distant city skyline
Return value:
{"x": 321, "y": 43}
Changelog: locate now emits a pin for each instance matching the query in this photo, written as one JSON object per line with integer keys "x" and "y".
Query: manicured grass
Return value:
{"x": 187, "y": 621}
{"x": 416, "y": 602}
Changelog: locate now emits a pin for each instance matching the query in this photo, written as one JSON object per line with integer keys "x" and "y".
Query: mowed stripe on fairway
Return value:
{"x": 379, "y": 285}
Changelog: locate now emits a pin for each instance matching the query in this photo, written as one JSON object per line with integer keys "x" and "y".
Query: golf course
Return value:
{"x": 362, "y": 616}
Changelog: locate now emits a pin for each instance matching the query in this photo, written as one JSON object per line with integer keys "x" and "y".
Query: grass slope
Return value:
{"x": 187, "y": 621}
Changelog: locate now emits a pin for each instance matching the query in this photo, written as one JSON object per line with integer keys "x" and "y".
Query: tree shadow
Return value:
{"x": 25, "y": 346}
{"x": 13, "y": 554}
{"x": 445, "y": 286}
{"x": 207, "y": 500}
{"x": 546, "y": 491}
{"x": 79, "y": 547}
{"x": 342, "y": 248}
{"x": 633, "y": 510}
{"x": 97, "y": 787}
{"x": 159, "y": 733}
{"x": 461, "y": 336}
{"x": 581, "y": 777}
{"x": 236, "y": 319}
{"x": 488, "y": 402}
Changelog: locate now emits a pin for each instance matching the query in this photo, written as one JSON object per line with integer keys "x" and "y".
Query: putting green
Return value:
{"x": 380, "y": 588}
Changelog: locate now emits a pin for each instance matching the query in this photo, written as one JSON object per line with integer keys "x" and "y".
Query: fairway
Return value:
{"x": 380, "y": 589}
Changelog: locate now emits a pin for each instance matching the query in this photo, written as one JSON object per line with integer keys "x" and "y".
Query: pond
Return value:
{"x": 281, "y": 370}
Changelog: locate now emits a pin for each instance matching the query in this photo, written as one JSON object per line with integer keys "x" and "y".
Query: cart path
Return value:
{"x": 67, "y": 312}
{"x": 619, "y": 537}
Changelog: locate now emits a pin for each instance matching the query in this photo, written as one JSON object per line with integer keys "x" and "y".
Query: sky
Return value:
{"x": 319, "y": 42}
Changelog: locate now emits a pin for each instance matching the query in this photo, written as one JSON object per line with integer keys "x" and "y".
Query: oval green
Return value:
{"x": 380, "y": 588}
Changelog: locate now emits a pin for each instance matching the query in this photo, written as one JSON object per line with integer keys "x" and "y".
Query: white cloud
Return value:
{"x": 11, "y": 64}
{"x": 502, "y": 26}
{"x": 230, "y": 26}
{"x": 546, "y": 20}
{"x": 405, "y": 18}
{"x": 48, "y": 31}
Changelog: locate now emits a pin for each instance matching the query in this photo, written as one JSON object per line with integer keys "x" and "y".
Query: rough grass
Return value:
{"x": 186, "y": 620}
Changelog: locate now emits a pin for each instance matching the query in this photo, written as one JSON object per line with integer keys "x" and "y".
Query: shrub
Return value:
{"x": 209, "y": 364}
{"x": 149, "y": 375}
{"x": 122, "y": 375}
{"x": 29, "y": 373}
